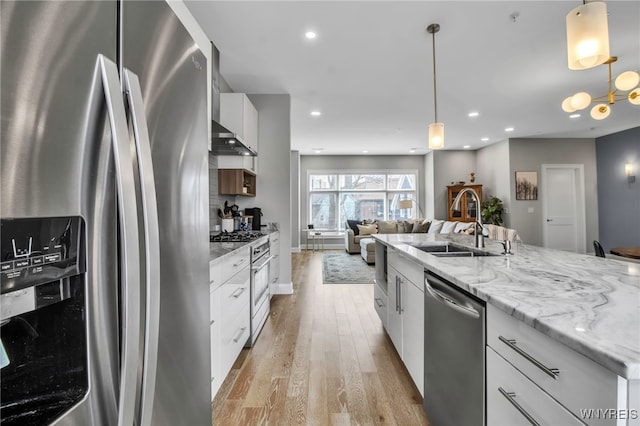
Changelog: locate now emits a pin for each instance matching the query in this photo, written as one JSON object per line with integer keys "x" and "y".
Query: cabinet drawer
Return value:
{"x": 411, "y": 270}
{"x": 507, "y": 387}
{"x": 235, "y": 294}
{"x": 214, "y": 334}
{"x": 579, "y": 383}
{"x": 220, "y": 270}
{"x": 233, "y": 336}
{"x": 380, "y": 301}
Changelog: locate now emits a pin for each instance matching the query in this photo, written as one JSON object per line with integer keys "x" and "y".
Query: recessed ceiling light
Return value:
{"x": 484, "y": 139}
{"x": 310, "y": 35}
{"x": 246, "y": 153}
{"x": 412, "y": 150}
{"x": 574, "y": 116}
{"x": 467, "y": 146}
{"x": 317, "y": 150}
{"x": 231, "y": 141}
{"x": 316, "y": 113}
{"x": 509, "y": 129}
{"x": 364, "y": 151}
{"x": 474, "y": 114}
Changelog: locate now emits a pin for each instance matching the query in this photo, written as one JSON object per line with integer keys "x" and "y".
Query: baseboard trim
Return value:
{"x": 281, "y": 288}
{"x": 295, "y": 249}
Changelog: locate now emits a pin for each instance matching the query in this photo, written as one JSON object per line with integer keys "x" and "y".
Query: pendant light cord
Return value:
{"x": 433, "y": 29}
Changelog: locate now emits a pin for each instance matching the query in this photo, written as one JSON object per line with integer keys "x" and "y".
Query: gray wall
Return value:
{"x": 618, "y": 200}
{"x": 429, "y": 199}
{"x": 448, "y": 167}
{"x": 356, "y": 162}
{"x": 492, "y": 171}
{"x": 529, "y": 155}
{"x": 273, "y": 185}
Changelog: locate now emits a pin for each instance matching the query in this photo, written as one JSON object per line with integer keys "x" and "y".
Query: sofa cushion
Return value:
{"x": 353, "y": 224}
{"x": 448, "y": 227}
{"x": 436, "y": 226}
{"x": 387, "y": 227}
{"x": 367, "y": 229}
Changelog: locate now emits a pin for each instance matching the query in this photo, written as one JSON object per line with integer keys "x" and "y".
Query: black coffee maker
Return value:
{"x": 256, "y": 214}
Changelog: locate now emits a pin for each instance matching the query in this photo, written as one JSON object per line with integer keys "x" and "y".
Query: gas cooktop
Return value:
{"x": 235, "y": 236}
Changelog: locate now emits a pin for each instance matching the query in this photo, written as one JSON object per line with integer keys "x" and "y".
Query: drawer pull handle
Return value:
{"x": 551, "y": 372}
{"x": 239, "y": 334}
{"x": 511, "y": 398}
{"x": 242, "y": 260}
{"x": 379, "y": 303}
{"x": 238, "y": 292}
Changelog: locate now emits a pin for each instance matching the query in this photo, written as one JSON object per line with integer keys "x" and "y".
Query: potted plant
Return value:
{"x": 245, "y": 186}
{"x": 491, "y": 211}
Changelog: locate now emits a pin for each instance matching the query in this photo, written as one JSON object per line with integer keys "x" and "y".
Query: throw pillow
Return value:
{"x": 427, "y": 223}
{"x": 407, "y": 225}
{"x": 387, "y": 227}
{"x": 448, "y": 227}
{"x": 419, "y": 227}
{"x": 353, "y": 224}
{"x": 367, "y": 229}
{"x": 436, "y": 226}
{"x": 462, "y": 226}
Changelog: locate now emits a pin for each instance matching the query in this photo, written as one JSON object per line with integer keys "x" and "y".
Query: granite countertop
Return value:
{"x": 587, "y": 303}
{"x": 219, "y": 250}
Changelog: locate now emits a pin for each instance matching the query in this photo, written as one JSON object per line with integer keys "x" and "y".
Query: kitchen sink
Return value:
{"x": 452, "y": 250}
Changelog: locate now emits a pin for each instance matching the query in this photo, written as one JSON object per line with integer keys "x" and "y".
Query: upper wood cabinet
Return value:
{"x": 238, "y": 114}
{"x": 234, "y": 182}
{"x": 467, "y": 212}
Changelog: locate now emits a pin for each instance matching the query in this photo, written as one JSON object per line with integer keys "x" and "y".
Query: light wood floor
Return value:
{"x": 322, "y": 358}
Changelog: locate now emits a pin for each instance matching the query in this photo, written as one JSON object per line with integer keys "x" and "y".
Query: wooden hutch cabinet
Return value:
{"x": 467, "y": 212}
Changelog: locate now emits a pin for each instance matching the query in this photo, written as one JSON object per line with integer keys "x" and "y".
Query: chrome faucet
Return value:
{"x": 479, "y": 228}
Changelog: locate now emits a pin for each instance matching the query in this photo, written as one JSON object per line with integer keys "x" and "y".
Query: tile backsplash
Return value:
{"x": 215, "y": 200}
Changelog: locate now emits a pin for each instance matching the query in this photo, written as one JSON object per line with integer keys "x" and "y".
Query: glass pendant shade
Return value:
{"x": 566, "y": 105}
{"x": 634, "y": 96}
{"x": 600, "y": 111}
{"x": 627, "y": 80}
{"x": 587, "y": 36}
{"x": 580, "y": 100}
{"x": 436, "y": 135}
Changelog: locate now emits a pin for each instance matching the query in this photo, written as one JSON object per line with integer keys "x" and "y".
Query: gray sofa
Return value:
{"x": 363, "y": 243}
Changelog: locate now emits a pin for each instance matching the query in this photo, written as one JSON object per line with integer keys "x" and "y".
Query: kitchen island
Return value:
{"x": 586, "y": 303}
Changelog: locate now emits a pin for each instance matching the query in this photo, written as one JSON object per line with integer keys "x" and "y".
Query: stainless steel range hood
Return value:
{"x": 226, "y": 142}
{"x": 223, "y": 140}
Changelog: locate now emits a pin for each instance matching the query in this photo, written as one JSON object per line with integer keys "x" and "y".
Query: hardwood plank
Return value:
{"x": 322, "y": 358}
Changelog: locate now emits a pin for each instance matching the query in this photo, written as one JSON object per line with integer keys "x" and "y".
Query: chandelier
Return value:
{"x": 436, "y": 130}
{"x": 625, "y": 82}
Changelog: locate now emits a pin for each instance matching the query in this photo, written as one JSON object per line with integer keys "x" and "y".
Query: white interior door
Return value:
{"x": 563, "y": 201}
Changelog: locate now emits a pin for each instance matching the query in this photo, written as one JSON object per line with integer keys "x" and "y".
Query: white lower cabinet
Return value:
{"x": 405, "y": 315}
{"x": 274, "y": 263}
{"x": 229, "y": 313}
{"x": 514, "y": 400}
{"x": 380, "y": 302}
{"x": 577, "y": 385}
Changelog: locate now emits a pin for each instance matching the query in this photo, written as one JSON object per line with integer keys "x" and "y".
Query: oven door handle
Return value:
{"x": 262, "y": 265}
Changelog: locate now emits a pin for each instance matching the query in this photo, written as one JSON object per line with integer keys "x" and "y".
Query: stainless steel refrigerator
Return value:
{"x": 104, "y": 209}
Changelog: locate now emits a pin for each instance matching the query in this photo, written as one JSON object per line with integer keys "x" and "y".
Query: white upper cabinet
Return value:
{"x": 238, "y": 114}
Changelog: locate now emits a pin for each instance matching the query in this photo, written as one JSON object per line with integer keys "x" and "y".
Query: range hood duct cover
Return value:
{"x": 226, "y": 142}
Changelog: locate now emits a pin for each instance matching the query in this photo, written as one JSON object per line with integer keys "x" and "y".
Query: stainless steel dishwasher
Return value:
{"x": 454, "y": 354}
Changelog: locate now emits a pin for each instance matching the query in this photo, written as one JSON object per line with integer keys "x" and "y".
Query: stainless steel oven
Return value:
{"x": 260, "y": 294}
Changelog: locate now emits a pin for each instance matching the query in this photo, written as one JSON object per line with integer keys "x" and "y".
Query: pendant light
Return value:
{"x": 436, "y": 130}
{"x": 587, "y": 35}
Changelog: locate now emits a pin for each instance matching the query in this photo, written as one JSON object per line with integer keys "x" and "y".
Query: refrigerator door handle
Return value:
{"x": 151, "y": 239}
{"x": 130, "y": 253}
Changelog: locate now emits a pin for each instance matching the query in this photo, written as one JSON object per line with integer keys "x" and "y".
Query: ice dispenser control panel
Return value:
{"x": 34, "y": 251}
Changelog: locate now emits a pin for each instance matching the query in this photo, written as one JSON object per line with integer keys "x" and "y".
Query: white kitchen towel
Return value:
{"x": 501, "y": 233}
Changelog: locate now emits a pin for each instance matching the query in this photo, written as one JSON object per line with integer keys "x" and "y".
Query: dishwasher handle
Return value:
{"x": 446, "y": 299}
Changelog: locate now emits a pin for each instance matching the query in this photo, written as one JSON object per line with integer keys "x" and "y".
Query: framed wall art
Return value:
{"x": 526, "y": 185}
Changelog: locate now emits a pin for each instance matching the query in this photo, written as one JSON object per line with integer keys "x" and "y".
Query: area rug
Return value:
{"x": 343, "y": 268}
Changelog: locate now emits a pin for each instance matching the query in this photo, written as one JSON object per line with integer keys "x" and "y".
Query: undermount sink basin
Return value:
{"x": 451, "y": 250}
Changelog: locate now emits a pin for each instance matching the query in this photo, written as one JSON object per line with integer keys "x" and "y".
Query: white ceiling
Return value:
{"x": 370, "y": 69}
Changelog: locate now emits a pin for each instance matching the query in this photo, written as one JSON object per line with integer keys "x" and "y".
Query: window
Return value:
{"x": 336, "y": 197}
